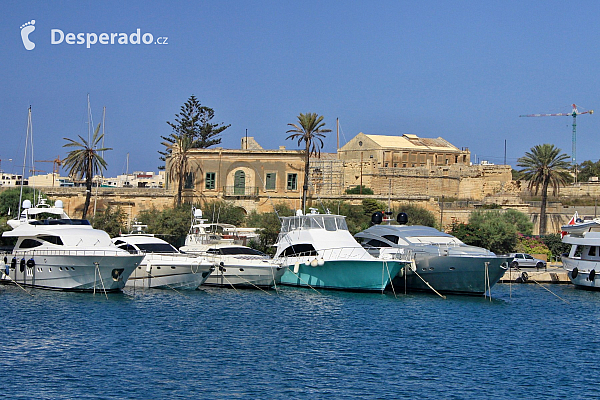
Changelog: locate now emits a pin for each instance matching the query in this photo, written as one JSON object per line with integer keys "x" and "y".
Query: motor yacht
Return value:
{"x": 319, "y": 252}
{"x": 53, "y": 251}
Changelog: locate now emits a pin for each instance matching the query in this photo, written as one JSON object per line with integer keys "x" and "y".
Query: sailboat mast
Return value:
{"x": 29, "y": 129}
{"x": 103, "y": 121}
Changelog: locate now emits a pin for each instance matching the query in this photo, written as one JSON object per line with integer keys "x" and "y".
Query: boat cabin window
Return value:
{"x": 29, "y": 244}
{"x": 330, "y": 224}
{"x": 298, "y": 250}
{"x": 376, "y": 243}
{"x": 157, "y": 248}
{"x": 592, "y": 251}
{"x": 240, "y": 250}
{"x": 61, "y": 221}
{"x": 128, "y": 247}
{"x": 391, "y": 238}
{"x": 318, "y": 221}
{"x": 52, "y": 239}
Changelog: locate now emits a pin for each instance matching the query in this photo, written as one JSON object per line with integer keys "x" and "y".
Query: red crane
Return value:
{"x": 56, "y": 163}
{"x": 573, "y": 114}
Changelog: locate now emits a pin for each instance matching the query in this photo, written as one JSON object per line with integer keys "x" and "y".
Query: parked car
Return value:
{"x": 521, "y": 260}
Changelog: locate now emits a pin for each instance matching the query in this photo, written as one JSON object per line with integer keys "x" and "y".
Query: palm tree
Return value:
{"x": 85, "y": 162}
{"x": 311, "y": 133}
{"x": 177, "y": 161}
{"x": 544, "y": 166}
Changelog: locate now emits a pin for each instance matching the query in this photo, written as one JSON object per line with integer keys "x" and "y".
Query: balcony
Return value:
{"x": 234, "y": 191}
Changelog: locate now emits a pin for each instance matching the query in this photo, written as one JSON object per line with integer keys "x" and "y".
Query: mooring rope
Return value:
{"x": 308, "y": 284}
{"x": 274, "y": 281}
{"x": 487, "y": 288}
{"x": 230, "y": 284}
{"x": 430, "y": 287}
{"x": 550, "y": 291}
{"x": 17, "y": 283}
{"x": 166, "y": 284}
{"x": 101, "y": 280}
{"x": 390, "y": 278}
{"x": 257, "y": 287}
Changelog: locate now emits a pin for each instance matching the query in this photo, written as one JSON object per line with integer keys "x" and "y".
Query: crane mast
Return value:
{"x": 573, "y": 114}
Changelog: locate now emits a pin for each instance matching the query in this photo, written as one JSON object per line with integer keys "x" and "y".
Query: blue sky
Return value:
{"x": 462, "y": 70}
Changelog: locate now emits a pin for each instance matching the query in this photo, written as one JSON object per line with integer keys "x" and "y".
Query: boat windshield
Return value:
{"x": 314, "y": 221}
{"x": 156, "y": 248}
{"x": 236, "y": 251}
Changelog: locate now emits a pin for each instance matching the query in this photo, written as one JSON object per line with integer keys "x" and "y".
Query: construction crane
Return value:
{"x": 56, "y": 163}
{"x": 573, "y": 114}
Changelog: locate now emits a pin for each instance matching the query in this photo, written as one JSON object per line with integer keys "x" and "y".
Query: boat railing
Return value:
{"x": 350, "y": 253}
{"x": 79, "y": 253}
{"x": 175, "y": 256}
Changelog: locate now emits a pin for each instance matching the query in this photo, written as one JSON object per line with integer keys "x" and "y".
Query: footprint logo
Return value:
{"x": 26, "y": 29}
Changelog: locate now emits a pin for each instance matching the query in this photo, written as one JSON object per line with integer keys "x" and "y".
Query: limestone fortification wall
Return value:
{"x": 457, "y": 181}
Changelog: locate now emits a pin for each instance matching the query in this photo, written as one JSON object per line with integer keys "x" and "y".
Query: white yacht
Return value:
{"x": 582, "y": 263}
{"x": 236, "y": 265}
{"x": 163, "y": 267}
{"x": 54, "y": 251}
{"x": 440, "y": 260}
{"x": 319, "y": 252}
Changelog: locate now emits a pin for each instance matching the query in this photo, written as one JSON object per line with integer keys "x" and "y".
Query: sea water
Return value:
{"x": 300, "y": 344}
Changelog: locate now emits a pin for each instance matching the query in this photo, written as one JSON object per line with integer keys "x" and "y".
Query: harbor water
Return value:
{"x": 300, "y": 344}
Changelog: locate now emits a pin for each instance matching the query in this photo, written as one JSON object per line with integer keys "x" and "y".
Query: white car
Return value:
{"x": 521, "y": 260}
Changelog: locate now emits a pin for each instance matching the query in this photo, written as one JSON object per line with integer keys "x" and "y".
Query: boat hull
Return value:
{"x": 166, "y": 272}
{"x": 580, "y": 272}
{"x": 451, "y": 274}
{"x": 355, "y": 275}
{"x": 84, "y": 271}
{"x": 264, "y": 276}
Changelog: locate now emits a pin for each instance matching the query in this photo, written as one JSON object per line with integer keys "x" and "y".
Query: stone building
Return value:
{"x": 256, "y": 178}
{"x": 406, "y": 151}
{"x": 250, "y": 175}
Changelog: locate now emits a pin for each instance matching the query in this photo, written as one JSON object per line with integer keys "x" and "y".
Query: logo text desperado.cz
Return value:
{"x": 57, "y": 36}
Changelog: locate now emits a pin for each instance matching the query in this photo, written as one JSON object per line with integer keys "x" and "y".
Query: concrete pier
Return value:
{"x": 554, "y": 273}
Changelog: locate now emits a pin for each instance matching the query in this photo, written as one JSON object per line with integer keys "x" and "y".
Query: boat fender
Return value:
{"x": 148, "y": 267}
{"x": 30, "y": 263}
{"x": 413, "y": 265}
{"x": 194, "y": 267}
{"x": 574, "y": 273}
{"x": 592, "y": 275}
{"x": 524, "y": 276}
{"x": 296, "y": 267}
{"x": 22, "y": 265}
{"x": 222, "y": 267}
{"x": 13, "y": 263}
{"x": 321, "y": 262}
{"x": 314, "y": 263}
{"x": 307, "y": 263}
